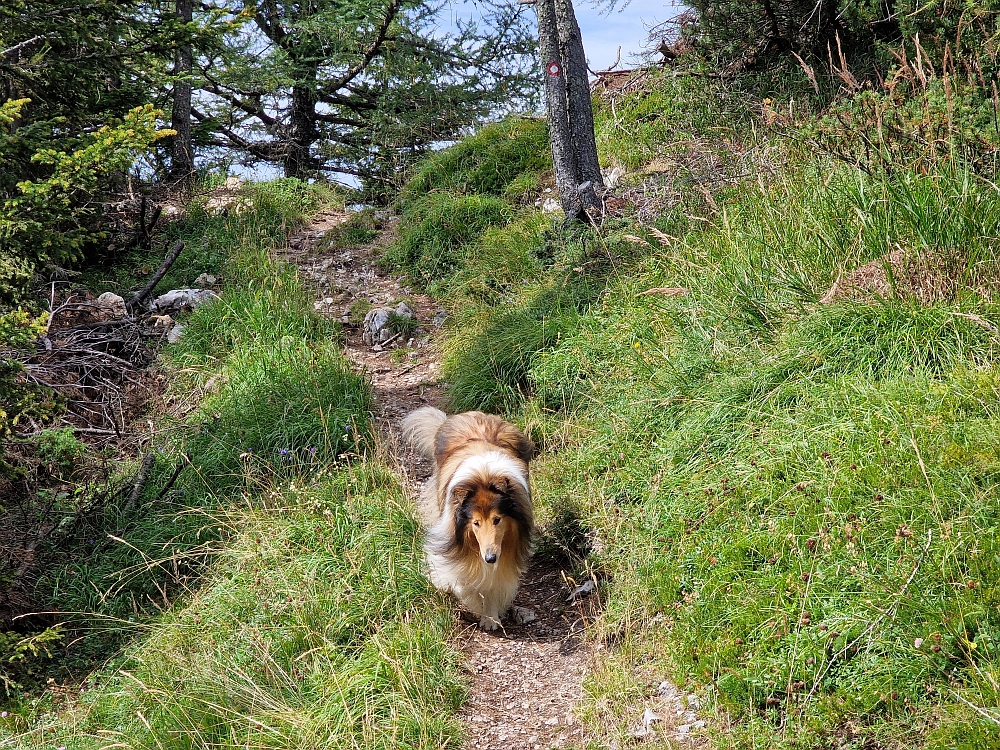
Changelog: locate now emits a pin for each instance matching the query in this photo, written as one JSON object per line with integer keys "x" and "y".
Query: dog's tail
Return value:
{"x": 420, "y": 428}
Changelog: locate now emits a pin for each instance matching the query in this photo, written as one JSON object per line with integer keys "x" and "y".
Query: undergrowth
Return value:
{"x": 271, "y": 595}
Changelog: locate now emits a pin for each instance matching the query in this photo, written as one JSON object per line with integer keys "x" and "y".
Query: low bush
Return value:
{"x": 505, "y": 159}
{"x": 52, "y": 219}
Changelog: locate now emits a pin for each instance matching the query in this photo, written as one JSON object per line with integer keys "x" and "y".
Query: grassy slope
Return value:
{"x": 298, "y": 614}
{"x": 794, "y": 504}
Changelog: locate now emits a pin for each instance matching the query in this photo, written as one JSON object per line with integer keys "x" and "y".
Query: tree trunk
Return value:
{"x": 182, "y": 158}
{"x": 299, "y": 161}
{"x": 567, "y": 170}
{"x": 581, "y": 113}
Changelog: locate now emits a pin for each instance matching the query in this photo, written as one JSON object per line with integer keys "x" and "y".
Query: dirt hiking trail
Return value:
{"x": 524, "y": 680}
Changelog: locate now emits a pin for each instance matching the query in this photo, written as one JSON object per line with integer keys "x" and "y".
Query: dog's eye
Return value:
{"x": 496, "y": 520}
{"x": 475, "y": 523}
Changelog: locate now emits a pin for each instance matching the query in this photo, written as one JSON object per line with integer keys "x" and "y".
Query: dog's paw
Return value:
{"x": 489, "y": 623}
{"x": 522, "y": 615}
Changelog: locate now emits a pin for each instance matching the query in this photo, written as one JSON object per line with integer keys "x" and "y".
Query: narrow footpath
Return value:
{"x": 524, "y": 680}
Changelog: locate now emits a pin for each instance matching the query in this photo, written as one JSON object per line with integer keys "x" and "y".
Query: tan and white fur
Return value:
{"x": 476, "y": 508}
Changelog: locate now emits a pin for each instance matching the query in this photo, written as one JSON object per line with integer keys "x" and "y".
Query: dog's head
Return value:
{"x": 489, "y": 513}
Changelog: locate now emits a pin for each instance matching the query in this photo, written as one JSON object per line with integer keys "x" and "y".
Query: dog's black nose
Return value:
{"x": 490, "y": 557}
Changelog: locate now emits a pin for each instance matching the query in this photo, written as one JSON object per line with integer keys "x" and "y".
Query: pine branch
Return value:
{"x": 251, "y": 108}
{"x": 371, "y": 52}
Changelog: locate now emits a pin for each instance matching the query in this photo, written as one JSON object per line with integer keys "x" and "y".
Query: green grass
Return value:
{"x": 751, "y": 458}
{"x": 284, "y": 409}
{"x": 444, "y": 227}
{"x": 360, "y": 229}
{"x": 463, "y": 209}
{"x": 793, "y": 505}
{"x": 274, "y": 597}
{"x": 314, "y": 628}
{"x": 505, "y": 159}
{"x": 278, "y": 383}
{"x": 655, "y": 125}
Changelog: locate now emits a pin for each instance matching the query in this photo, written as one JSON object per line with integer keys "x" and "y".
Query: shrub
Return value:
{"x": 18, "y": 330}
{"x": 51, "y": 219}
{"x": 60, "y": 448}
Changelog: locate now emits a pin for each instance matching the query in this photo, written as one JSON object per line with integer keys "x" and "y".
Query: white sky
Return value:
{"x": 628, "y": 27}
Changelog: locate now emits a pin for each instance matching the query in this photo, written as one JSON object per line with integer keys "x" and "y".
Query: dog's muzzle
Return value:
{"x": 490, "y": 557}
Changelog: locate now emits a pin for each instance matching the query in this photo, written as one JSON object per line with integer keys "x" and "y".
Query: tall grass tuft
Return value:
{"x": 443, "y": 227}
{"x": 504, "y": 159}
{"x": 284, "y": 408}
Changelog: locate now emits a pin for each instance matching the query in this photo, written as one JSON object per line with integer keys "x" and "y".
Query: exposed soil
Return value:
{"x": 525, "y": 680}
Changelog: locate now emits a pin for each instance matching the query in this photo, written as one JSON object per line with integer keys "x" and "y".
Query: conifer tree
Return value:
{"x": 361, "y": 88}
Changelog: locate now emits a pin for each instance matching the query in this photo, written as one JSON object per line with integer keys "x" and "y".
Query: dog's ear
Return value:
{"x": 460, "y": 493}
{"x": 515, "y": 441}
{"x": 500, "y": 485}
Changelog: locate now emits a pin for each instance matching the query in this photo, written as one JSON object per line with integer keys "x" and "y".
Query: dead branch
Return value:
{"x": 147, "y": 290}
{"x": 97, "y": 366}
{"x": 144, "y": 231}
{"x": 666, "y": 291}
{"x": 173, "y": 478}
{"x": 140, "y": 481}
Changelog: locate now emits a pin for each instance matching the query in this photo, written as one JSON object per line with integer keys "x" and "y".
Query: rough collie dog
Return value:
{"x": 476, "y": 507}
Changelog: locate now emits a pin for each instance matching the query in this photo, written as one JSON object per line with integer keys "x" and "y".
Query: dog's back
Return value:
{"x": 420, "y": 429}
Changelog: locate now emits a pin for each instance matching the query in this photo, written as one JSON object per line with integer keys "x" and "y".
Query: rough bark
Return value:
{"x": 581, "y": 113}
{"x": 299, "y": 161}
{"x": 182, "y": 156}
{"x": 567, "y": 170}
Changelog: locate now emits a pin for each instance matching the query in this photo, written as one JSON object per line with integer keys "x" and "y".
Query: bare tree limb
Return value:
{"x": 167, "y": 263}
{"x": 140, "y": 481}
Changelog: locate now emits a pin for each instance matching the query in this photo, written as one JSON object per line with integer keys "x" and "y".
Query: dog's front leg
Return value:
{"x": 489, "y": 622}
